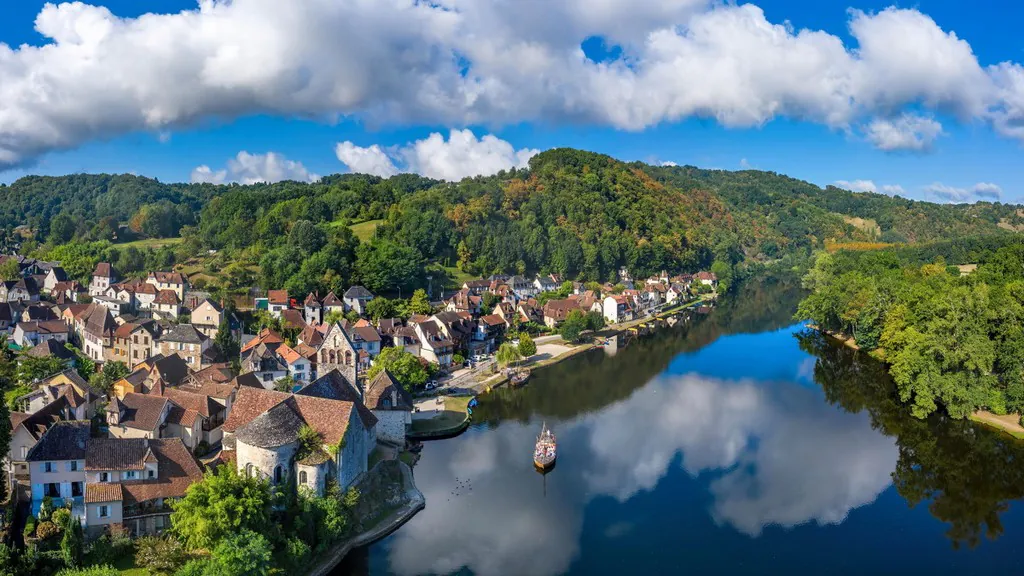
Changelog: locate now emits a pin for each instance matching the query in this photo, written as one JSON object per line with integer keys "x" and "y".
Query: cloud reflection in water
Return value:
{"x": 773, "y": 453}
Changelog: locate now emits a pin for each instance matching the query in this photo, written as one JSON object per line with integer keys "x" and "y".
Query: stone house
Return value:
{"x": 332, "y": 303}
{"x": 103, "y": 277}
{"x": 336, "y": 352}
{"x": 185, "y": 341}
{"x": 157, "y": 371}
{"x": 392, "y": 405}
{"x": 207, "y": 316}
{"x": 263, "y": 428}
{"x": 167, "y": 304}
{"x": 134, "y": 342}
{"x": 556, "y": 311}
{"x": 173, "y": 281}
{"x": 96, "y": 331}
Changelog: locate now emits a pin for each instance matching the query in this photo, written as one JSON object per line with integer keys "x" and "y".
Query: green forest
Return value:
{"x": 579, "y": 214}
{"x": 952, "y": 338}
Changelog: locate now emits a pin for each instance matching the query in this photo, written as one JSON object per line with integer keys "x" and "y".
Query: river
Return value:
{"x": 735, "y": 443}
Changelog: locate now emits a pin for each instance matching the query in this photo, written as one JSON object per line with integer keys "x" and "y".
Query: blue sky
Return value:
{"x": 799, "y": 136}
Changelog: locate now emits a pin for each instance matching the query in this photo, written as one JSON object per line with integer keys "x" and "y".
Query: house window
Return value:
{"x": 151, "y": 474}
{"x": 52, "y": 490}
{"x": 24, "y": 452}
{"x": 73, "y": 466}
{"x": 77, "y": 489}
{"x": 130, "y": 475}
{"x": 136, "y": 338}
{"x": 104, "y": 511}
{"x": 278, "y": 474}
{"x": 302, "y": 477}
{"x": 104, "y": 477}
{"x": 49, "y": 467}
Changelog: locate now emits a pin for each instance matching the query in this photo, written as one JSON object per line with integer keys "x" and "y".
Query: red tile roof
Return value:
{"x": 101, "y": 492}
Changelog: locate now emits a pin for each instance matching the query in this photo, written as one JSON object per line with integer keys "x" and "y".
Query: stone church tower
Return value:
{"x": 337, "y": 351}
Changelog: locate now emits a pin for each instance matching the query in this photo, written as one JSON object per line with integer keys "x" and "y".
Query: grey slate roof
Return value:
{"x": 276, "y": 427}
{"x": 63, "y": 441}
{"x": 118, "y": 454}
{"x": 358, "y": 292}
{"x": 185, "y": 333}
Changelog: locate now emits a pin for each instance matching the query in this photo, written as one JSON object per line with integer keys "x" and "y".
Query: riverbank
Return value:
{"x": 1008, "y": 423}
{"x": 439, "y": 417}
{"x": 397, "y": 510}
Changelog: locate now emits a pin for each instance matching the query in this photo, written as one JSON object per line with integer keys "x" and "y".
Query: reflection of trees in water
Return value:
{"x": 592, "y": 380}
{"x": 969, "y": 473}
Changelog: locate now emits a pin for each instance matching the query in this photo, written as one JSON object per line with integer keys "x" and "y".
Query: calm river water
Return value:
{"x": 736, "y": 443}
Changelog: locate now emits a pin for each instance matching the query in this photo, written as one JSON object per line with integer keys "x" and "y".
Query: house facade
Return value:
{"x": 57, "y": 466}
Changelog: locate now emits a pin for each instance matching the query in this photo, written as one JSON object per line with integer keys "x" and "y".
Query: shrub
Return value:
{"x": 197, "y": 567}
{"x": 160, "y": 556}
{"x": 60, "y": 517}
{"x": 46, "y": 530}
{"x": 458, "y": 360}
{"x": 46, "y": 508}
{"x": 30, "y": 526}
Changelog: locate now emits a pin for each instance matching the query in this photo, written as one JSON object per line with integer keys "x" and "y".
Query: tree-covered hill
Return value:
{"x": 579, "y": 214}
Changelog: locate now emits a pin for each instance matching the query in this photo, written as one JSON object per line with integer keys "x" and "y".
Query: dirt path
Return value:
{"x": 1009, "y": 423}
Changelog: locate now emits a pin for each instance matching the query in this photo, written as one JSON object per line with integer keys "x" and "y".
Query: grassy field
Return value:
{"x": 150, "y": 243}
{"x": 364, "y": 230}
{"x": 458, "y": 276}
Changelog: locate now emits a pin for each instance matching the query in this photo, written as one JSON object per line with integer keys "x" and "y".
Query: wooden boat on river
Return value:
{"x": 518, "y": 377}
{"x": 544, "y": 452}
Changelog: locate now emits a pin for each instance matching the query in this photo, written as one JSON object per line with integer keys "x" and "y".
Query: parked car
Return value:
{"x": 431, "y": 385}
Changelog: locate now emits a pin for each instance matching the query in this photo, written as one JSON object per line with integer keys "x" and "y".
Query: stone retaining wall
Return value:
{"x": 414, "y": 502}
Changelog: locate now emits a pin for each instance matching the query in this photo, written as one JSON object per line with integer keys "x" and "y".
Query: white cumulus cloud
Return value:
{"x": 908, "y": 132}
{"x": 980, "y": 191}
{"x": 246, "y": 168}
{"x": 488, "y": 62}
{"x": 857, "y": 185}
{"x": 368, "y": 160}
{"x": 870, "y": 186}
{"x": 460, "y": 156}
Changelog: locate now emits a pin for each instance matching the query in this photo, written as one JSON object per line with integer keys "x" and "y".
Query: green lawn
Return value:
{"x": 151, "y": 243}
{"x": 458, "y": 276}
{"x": 364, "y": 230}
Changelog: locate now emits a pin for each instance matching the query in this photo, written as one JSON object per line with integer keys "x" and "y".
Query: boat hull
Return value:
{"x": 544, "y": 463}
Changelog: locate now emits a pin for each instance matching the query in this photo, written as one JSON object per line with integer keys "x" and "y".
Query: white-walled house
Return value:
{"x": 57, "y": 466}
{"x": 618, "y": 308}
